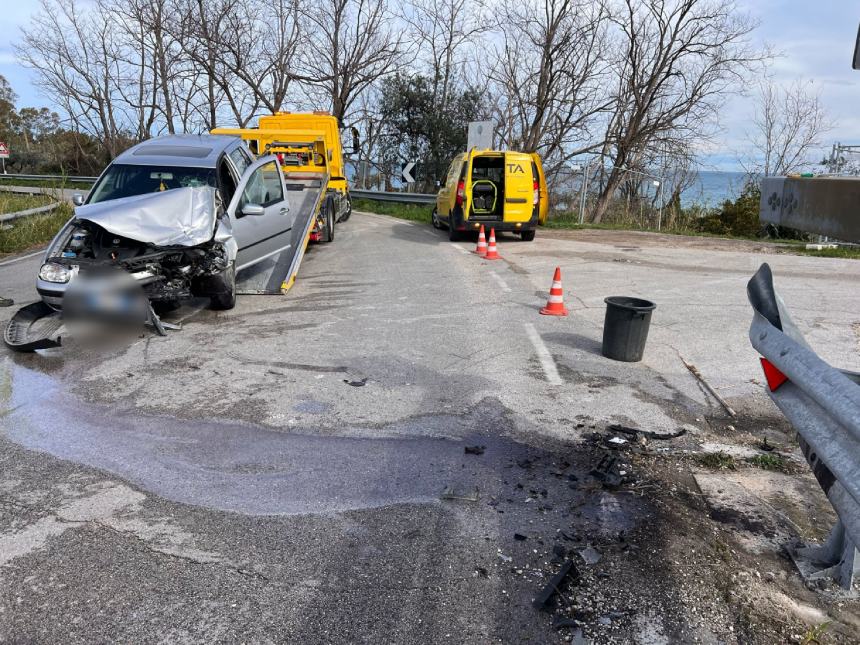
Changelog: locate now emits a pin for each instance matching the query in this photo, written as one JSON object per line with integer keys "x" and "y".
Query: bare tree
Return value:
{"x": 788, "y": 125}
{"x": 549, "y": 76}
{"x": 75, "y": 54}
{"x": 677, "y": 61}
{"x": 350, "y": 44}
{"x": 447, "y": 33}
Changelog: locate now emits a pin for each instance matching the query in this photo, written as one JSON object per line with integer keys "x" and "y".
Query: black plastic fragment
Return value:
{"x": 546, "y": 594}
{"x": 474, "y": 450}
{"x": 19, "y": 334}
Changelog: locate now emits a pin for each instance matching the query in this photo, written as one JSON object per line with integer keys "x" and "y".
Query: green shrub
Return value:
{"x": 738, "y": 218}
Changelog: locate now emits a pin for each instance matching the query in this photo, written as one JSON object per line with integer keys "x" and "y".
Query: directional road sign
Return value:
{"x": 406, "y": 172}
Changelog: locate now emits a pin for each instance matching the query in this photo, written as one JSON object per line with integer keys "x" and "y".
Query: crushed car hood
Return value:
{"x": 177, "y": 217}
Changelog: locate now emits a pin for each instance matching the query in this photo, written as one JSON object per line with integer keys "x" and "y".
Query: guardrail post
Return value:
{"x": 837, "y": 558}
{"x": 823, "y": 405}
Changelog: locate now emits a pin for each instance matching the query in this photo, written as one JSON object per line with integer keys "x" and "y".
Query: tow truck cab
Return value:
{"x": 305, "y": 143}
{"x": 505, "y": 190}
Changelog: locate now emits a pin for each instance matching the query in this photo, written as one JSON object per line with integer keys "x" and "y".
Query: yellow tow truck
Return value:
{"x": 306, "y": 144}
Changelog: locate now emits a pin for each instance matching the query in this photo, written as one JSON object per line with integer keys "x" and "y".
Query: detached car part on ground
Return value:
{"x": 176, "y": 242}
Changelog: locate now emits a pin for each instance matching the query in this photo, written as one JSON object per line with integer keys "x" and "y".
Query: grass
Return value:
{"x": 770, "y": 462}
{"x": 35, "y": 230}
{"x": 717, "y": 460}
{"x": 412, "y": 212}
{"x": 14, "y": 202}
{"x": 814, "y": 635}
{"x": 848, "y": 252}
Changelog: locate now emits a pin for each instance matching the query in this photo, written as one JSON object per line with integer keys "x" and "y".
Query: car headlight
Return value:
{"x": 51, "y": 272}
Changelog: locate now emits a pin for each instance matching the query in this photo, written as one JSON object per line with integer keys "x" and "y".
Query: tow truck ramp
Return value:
{"x": 276, "y": 274}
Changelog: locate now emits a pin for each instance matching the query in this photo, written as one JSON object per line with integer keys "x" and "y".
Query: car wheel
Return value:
{"x": 226, "y": 299}
{"x": 527, "y": 236}
{"x": 434, "y": 219}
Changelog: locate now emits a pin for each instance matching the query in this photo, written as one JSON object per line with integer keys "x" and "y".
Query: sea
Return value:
{"x": 712, "y": 187}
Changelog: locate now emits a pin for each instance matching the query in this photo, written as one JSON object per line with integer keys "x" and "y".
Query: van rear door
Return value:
{"x": 519, "y": 187}
{"x": 543, "y": 194}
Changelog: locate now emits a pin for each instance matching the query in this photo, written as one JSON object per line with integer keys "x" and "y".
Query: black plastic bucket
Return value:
{"x": 625, "y": 328}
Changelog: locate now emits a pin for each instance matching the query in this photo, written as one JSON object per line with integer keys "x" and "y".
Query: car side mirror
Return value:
{"x": 78, "y": 199}
{"x": 253, "y": 209}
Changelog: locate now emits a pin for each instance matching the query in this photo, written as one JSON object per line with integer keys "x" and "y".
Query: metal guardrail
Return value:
{"x": 823, "y": 405}
{"x": 9, "y": 217}
{"x": 376, "y": 195}
{"x": 57, "y": 178}
{"x": 398, "y": 198}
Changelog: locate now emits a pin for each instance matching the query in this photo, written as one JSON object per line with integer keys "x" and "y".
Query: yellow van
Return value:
{"x": 500, "y": 189}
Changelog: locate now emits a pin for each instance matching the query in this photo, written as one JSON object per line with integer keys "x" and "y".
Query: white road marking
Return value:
{"x": 502, "y": 284}
{"x": 545, "y": 358}
{"x": 461, "y": 249}
{"x": 23, "y": 257}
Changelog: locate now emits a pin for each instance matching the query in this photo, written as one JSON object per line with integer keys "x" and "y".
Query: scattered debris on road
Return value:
{"x": 451, "y": 493}
{"x": 359, "y": 383}
{"x": 590, "y": 555}
{"x": 474, "y": 450}
{"x": 542, "y": 600}
{"x": 6, "y": 302}
{"x": 710, "y": 388}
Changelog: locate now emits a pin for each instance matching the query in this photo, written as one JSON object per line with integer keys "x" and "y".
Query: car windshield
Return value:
{"x": 126, "y": 180}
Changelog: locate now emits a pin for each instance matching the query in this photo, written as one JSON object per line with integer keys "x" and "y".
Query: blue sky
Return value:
{"x": 815, "y": 37}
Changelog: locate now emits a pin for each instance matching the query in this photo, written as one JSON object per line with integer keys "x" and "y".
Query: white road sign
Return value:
{"x": 4, "y": 151}
{"x": 480, "y": 135}
{"x": 406, "y": 173}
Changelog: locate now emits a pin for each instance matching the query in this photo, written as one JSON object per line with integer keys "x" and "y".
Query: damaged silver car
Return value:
{"x": 171, "y": 211}
{"x": 180, "y": 214}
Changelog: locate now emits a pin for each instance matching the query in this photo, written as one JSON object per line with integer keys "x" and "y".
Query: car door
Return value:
{"x": 260, "y": 214}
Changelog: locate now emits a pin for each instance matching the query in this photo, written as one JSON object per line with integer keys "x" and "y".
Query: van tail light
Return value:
{"x": 280, "y": 158}
{"x": 461, "y": 193}
{"x": 536, "y": 199}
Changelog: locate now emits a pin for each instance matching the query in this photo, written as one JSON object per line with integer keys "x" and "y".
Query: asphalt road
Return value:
{"x": 275, "y": 473}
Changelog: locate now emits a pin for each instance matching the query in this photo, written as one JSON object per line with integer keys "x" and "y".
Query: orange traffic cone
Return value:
{"x": 555, "y": 304}
{"x": 492, "y": 253}
{"x": 481, "y": 249}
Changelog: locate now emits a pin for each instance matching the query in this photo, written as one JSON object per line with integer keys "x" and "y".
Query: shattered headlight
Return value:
{"x": 51, "y": 272}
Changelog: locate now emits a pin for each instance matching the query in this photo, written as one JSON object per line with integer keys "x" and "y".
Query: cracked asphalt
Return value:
{"x": 275, "y": 473}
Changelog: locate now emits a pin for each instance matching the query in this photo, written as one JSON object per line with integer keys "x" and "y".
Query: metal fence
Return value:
{"x": 823, "y": 405}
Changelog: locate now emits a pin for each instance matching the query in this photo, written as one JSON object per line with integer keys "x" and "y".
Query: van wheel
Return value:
{"x": 453, "y": 233}
{"x": 434, "y": 219}
{"x": 226, "y": 299}
{"x": 527, "y": 236}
